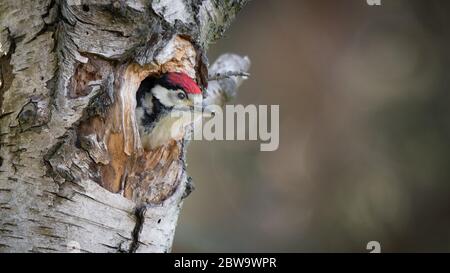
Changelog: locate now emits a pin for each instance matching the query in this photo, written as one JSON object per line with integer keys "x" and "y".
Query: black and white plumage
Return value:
{"x": 165, "y": 106}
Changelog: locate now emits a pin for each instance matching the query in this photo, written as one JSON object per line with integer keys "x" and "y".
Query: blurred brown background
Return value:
{"x": 364, "y": 133}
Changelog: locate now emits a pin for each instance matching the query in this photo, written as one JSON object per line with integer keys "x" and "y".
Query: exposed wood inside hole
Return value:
{"x": 112, "y": 139}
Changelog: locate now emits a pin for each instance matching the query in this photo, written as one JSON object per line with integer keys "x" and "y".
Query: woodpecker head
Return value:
{"x": 162, "y": 105}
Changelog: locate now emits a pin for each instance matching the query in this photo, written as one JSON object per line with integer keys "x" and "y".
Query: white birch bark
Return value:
{"x": 73, "y": 176}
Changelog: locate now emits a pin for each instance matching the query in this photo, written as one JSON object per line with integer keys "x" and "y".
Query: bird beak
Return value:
{"x": 198, "y": 111}
{"x": 208, "y": 113}
{"x": 202, "y": 111}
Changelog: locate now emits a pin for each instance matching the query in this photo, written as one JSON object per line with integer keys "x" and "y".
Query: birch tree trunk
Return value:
{"x": 73, "y": 174}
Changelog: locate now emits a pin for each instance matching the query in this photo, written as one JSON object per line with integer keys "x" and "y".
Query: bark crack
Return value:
{"x": 6, "y": 69}
{"x": 139, "y": 213}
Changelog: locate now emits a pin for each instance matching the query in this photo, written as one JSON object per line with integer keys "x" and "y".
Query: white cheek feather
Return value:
{"x": 163, "y": 95}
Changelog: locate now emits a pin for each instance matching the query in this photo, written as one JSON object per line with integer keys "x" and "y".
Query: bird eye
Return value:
{"x": 181, "y": 96}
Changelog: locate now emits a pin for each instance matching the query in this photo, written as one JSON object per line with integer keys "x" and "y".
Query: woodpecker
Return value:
{"x": 165, "y": 106}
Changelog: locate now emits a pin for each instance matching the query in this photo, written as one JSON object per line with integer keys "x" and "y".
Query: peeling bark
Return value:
{"x": 73, "y": 174}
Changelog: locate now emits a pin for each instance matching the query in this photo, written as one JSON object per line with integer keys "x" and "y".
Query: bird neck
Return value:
{"x": 158, "y": 111}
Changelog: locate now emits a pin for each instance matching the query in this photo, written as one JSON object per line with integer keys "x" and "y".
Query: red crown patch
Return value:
{"x": 184, "y": 81}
